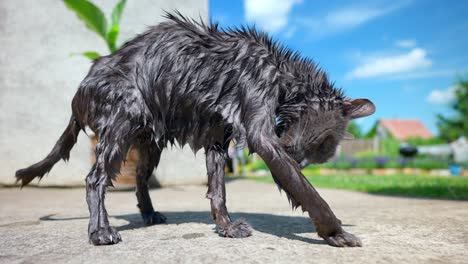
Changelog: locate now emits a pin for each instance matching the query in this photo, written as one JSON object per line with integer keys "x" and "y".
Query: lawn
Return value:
{"x": 455, "y": 188}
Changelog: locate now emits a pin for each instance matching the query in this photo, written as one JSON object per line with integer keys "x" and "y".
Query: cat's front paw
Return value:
{"x": 105, "y": 236}
{"x": 153, "y": 218}
{"x": 343, "y": 239}
{"x": 238, "y": 229}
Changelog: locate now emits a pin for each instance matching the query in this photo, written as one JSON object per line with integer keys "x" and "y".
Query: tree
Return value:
{"x": 373, "y": 131}
{"x": 453, "y": 127}
{"x": 355, "y": 129}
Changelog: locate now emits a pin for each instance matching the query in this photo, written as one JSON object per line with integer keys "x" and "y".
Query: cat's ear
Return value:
{"x": 356, "y": 108}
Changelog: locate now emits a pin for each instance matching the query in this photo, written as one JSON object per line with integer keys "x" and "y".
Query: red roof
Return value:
{"x": 404, "y": 129}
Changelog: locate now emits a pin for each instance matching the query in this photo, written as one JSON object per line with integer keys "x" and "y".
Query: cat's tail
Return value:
{"x": 61, "y": 150}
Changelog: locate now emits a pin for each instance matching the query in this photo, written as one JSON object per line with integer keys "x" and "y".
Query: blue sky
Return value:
{"x": 403, "y": 55}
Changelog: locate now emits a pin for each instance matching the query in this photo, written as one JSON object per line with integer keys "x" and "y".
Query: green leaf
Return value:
{"x": 92, "y": 55}
{"x": 90, "y": 14}
{"x": 114, "y": 29}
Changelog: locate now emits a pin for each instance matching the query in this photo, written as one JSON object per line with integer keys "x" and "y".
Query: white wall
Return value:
{"x": 38, "y": 79}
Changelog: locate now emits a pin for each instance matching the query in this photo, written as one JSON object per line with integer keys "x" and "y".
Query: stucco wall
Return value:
{"x": 38, "y": 79}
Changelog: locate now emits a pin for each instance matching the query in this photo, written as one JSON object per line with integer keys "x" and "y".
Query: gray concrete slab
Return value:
{"x": 49, "y": 226}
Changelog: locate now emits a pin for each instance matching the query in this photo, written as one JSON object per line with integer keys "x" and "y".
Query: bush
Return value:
{"x": 258, "y": 165}
{"x": 367, "y": 161}
{"x": 380, "y": 161}
{"x": 428, "y": 163}
{"x": 390, "y": 147}
{"x": 417, "y": 141}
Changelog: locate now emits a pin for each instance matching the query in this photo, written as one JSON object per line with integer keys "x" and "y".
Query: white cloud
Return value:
{"x": 270, "y": 15}
{"x": 442, "y": 96}
{"x": 415, "y": 59}
{"x": 436, "y": 73}
{"x": 347, "y": 18}
{"x": 406, "y": 43}
{"x": 353, "y": 16}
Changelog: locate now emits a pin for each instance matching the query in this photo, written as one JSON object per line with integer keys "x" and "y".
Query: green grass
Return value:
{"x": 455, "y": 188}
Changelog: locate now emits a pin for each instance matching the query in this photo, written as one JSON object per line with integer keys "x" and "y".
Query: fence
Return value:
{"x": 351, "y": 147}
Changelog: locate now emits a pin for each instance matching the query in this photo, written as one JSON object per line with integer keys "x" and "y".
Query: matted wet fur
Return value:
{"x": 196, "y": 84}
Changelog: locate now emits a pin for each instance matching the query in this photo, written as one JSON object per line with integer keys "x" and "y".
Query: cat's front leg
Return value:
{"x": 215, "y": 162}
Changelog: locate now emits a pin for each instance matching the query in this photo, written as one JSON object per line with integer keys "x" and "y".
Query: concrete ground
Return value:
{"x": 50, "y": 225}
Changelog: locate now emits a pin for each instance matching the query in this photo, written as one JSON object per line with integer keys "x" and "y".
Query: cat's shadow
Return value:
{"x": 278, "y": 225}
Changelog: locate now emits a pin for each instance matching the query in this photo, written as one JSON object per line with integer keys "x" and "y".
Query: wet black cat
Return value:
{"x": 196, "y": 84}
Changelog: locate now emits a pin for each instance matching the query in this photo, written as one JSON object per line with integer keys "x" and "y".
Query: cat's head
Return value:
{"x": 315, "y": 134}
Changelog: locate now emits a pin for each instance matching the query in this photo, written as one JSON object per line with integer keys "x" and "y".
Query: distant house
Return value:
{"x": 402, "y": 129}
{"x": 399, "y": 129}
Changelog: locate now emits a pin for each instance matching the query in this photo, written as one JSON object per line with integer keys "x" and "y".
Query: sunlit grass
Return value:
{"x": 404, "y": 185}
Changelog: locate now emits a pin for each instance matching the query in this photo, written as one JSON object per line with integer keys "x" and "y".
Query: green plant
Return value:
{"x": 454, "y": 126}
{"x": 365, "y": 154}
{"x": 258, "y": 165}
{"x": 417, "y": 141}
{"x": 373, "y": 131}
{"x": 96, "y": 21}
{"x": 390, "y": 147}
{"x": 355, "y": 129}
{"x": 408, "y": 185}
{"x": 345, "y": 163}
{"x": 428, "y": 163}
{"x": 367, "y": 163}
{"x": 394, "y": 163}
